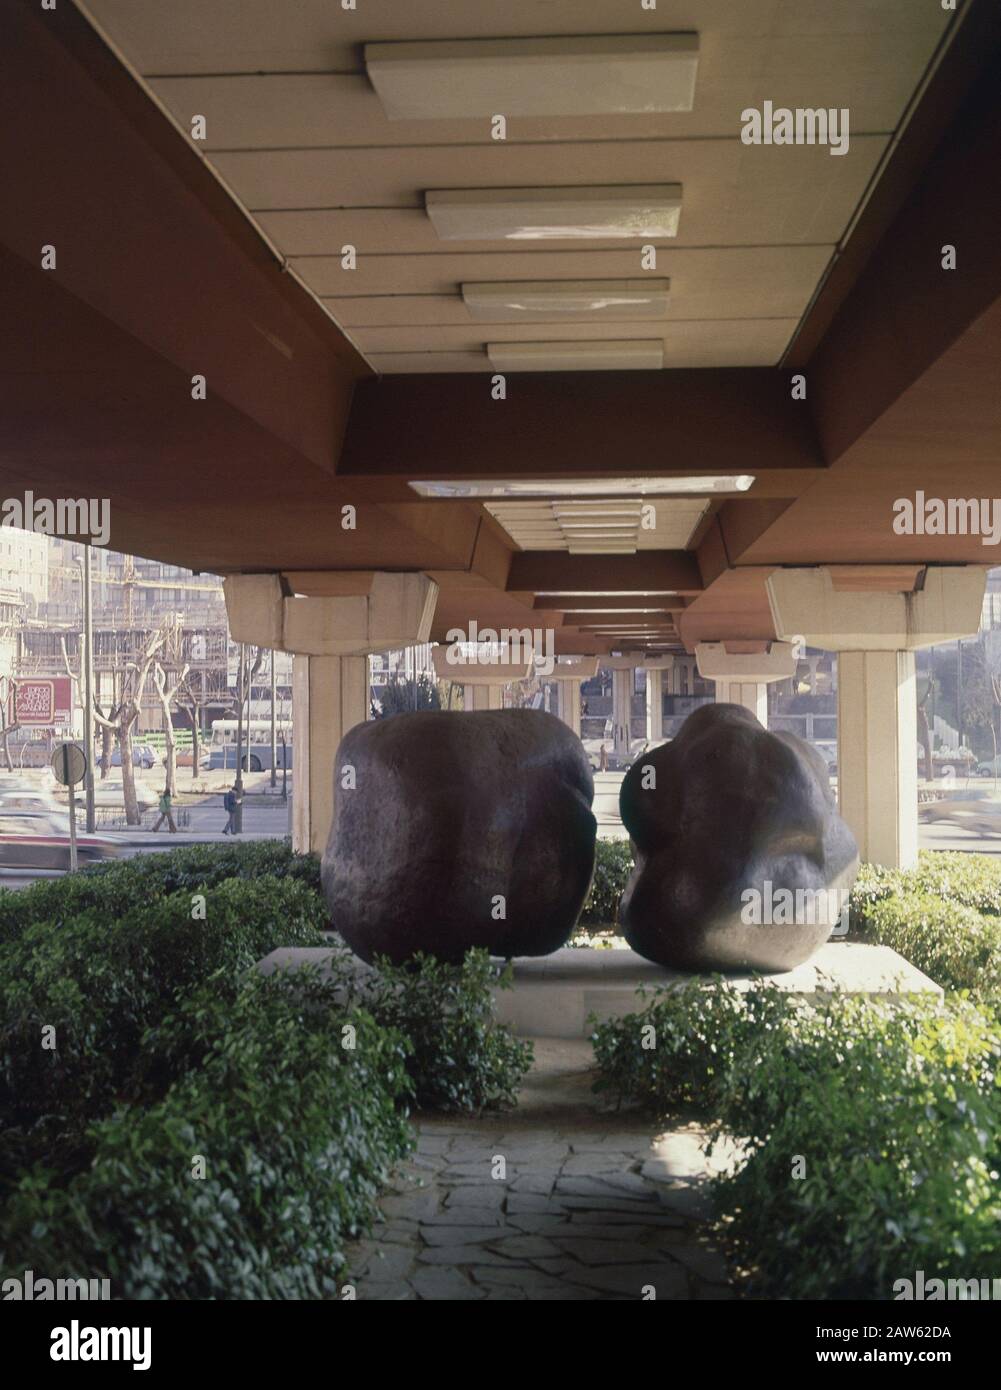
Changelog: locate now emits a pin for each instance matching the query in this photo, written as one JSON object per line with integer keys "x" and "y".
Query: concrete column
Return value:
{"x": 330, "y": 695}
{"x": 570, "y": 673}
{"x": 753, "y": 695}
{"x": 481, "y": 696}
{"x": 655, "y": 704}
{"x": 569, "y": 703}
{"x": 623, "y": 681}
{"x": 876, "y": 618}
{"x": 331, "y": 622}
{"x": 877, "y": 754}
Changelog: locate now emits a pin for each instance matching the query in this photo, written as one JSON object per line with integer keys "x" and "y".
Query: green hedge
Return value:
{"x": 99, "y": 983}
{"x": 116, "y": 886}
{"x": 137, "y": 1035}
{"x": 872, "y": 1130}
{"x": 612, "y": 866}
{"x": 944, "y": 917}
{"x": 971, "y": 880}
{"x": 460, "y": 1058}
{"x": 246, "y": 1179}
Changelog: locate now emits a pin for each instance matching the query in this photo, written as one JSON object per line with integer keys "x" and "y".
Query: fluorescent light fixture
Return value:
{"x": 582, "y": 487}
{"x": 593, "y": 76}
{"x": 632, "y": 354}
{"x": 563, "y": 214}
{"x": 527, "y": 299}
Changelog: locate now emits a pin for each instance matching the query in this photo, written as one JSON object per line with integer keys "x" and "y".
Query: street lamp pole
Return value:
{"x": 274, "y": 728}
{"x": 87, "y": 672}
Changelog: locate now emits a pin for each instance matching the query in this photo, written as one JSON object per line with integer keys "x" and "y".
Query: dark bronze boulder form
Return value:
{"x": 462, "y": 830}
{"x": 735, "y": 842}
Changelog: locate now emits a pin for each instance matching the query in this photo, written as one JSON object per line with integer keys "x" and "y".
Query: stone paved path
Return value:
{"x": 558, "y": 1199}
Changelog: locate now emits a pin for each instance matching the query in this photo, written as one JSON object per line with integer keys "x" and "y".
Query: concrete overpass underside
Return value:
{"x": 228, "y": 311}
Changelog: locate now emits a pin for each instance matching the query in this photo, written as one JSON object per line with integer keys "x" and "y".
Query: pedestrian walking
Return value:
{"x": 231, "y": 802}
{"x": 166, "y": 812}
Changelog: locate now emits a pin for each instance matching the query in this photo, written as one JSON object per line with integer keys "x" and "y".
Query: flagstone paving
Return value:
{"x": 560, "y": 1199}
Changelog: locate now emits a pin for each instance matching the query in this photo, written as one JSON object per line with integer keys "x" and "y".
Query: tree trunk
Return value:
{"x": 170, "y": 776}
{"x": 128, "y": 771}
{"x": 195, "y": 742}
{"x": 107, "y": 747}
{"x": 924, "y": 734}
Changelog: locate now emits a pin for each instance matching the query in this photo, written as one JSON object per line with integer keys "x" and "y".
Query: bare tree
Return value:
{"x": 167, "y": 698}
{"x": 126, "y": 717}
{"x": 7, "y": 707}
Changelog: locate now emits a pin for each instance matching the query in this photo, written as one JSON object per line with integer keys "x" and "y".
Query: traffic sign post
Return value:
{"x": 69, "y": 763}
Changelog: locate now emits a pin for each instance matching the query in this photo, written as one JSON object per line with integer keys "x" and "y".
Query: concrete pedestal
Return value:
{"x": 553, "y": 996}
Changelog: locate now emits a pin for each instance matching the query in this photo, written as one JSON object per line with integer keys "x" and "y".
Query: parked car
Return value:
{"x": 185, "y": 757}
{"x": 37, "y": 840}
{"x": 142, "y": 756}
{"x": 990, "y": 768}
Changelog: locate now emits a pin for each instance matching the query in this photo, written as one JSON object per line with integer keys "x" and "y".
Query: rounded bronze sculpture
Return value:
{"x": 458, "y": 830}
{"x": 742, "y": 861}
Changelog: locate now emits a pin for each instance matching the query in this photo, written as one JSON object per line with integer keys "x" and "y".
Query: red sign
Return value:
{"x": 41, "y": 701}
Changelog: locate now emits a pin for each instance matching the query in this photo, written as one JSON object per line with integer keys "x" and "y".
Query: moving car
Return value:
{"x": 41, "y": 840}
{"x": 975, "y": 812}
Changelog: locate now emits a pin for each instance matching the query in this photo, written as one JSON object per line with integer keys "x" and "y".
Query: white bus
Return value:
{"x": 256, "y": 744}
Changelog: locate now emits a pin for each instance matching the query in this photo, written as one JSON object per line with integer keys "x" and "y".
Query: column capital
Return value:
{"x": 826, "y": 607}
{"x": 775, "y": 661}
{"x": 375, "y": 611}
{"x": 479, "y": 672}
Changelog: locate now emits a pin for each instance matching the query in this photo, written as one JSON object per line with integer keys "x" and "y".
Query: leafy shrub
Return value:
{"x": 971, "y": 880}
{"x": 116, "y": 886}
{"x": 871, "y": 1129}
{"x": 612, "y": 866}
{"x": 296, "y": 1130}
{"x": 99, "y": 983}
{"x": 874, "y": 1133}
{"x": 681, "y": 1047}
{"x": 959, "y": 947}
{"x": 461, "y": 1058}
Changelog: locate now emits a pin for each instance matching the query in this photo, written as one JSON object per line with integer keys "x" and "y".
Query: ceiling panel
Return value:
{"x": 734, "y": 194}
{"x": 735, "y": 343}
{"x": 872, "y": 75}
{"x": 321, "y": 231}
{"x": 452, "y": 338}
{"x": 192, "y": 36}
{"x": 735, "y": 282}
{"x": 302, "y": 141}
